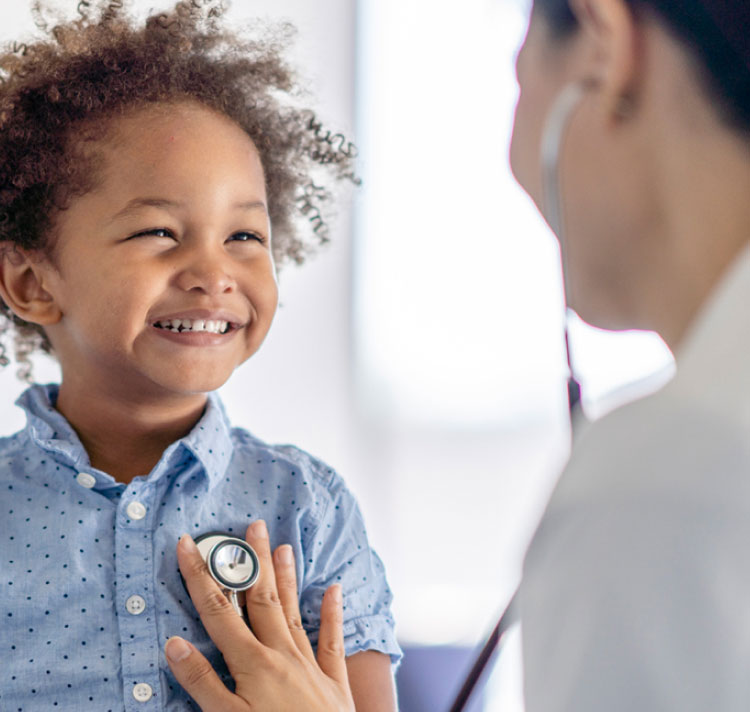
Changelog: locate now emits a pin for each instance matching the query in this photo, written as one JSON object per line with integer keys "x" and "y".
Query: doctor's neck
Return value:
{"x": 704, "y": 208}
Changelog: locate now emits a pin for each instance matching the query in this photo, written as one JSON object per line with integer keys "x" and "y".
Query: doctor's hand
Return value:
{"x": 273, "y": 666}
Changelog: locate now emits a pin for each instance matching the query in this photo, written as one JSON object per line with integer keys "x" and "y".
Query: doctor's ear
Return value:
{"x": 22, "y": 279}
{"x": 614, "y": 37}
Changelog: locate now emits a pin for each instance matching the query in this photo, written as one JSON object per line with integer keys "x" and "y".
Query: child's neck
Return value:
{"x": 126, "y": 439}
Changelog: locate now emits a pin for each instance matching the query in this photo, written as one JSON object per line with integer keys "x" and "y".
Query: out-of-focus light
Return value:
{"x": 459, "y": 317}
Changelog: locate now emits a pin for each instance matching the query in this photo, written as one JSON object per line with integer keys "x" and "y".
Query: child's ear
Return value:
{"x": 21, "y": 280}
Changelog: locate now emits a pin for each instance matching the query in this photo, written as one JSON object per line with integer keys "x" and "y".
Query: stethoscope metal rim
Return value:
{"x": 211, "y": 543}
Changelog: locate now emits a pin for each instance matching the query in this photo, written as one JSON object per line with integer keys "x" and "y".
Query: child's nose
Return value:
{"x": 206, "y": 275}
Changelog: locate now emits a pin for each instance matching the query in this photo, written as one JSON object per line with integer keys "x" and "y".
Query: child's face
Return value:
{"x": 176, "y": 231}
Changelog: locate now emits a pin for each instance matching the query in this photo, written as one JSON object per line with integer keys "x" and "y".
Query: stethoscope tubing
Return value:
{"x": 509, "y": 617}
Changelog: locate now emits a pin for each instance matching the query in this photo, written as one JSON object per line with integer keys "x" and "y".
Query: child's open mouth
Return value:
{"x": 194, "y": 325}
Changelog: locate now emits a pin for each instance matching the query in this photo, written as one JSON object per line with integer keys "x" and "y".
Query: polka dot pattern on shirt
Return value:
{"x": 71, "y": 557}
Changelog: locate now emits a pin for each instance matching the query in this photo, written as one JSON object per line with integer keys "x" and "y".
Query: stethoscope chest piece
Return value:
{"x": 232, "y": 563}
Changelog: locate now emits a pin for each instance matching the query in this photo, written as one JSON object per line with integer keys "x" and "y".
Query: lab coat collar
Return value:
{"x": 712, "y": 362}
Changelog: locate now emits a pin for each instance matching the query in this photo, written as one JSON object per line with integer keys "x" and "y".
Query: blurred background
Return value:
{"x": 421, "y": 354}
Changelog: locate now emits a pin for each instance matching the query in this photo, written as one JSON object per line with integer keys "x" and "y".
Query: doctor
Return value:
{"x": 636, "y": 591}
{"x": 632, "y": 135}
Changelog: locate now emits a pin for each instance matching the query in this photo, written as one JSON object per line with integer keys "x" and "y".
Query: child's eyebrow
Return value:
{"x": 136, "y": 203}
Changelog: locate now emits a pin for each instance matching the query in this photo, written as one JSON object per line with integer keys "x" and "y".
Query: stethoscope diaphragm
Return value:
{"x": 232, "y": 563}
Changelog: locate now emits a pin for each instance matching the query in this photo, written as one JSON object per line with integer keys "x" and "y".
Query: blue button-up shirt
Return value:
{"x": 89, "y": 585}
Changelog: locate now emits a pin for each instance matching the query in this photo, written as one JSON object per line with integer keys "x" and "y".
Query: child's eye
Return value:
{"x": 247, "y": 237}
{"x": 155, "y": 232}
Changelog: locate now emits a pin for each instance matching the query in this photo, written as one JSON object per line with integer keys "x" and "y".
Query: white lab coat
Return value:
{"x": 636, "y": 589}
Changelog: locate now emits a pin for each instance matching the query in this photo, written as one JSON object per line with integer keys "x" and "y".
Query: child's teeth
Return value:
{"x": 182, "y": 325}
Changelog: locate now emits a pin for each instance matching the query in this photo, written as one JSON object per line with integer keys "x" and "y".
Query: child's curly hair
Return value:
{"x": 59, "y": 91}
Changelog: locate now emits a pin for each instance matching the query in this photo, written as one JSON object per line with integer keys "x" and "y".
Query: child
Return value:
{"x": 141, "y": 169}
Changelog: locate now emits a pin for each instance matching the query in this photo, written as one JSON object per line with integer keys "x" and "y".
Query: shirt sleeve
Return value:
{"x": 632, "y": 605}
{"x": 338, "y": 552}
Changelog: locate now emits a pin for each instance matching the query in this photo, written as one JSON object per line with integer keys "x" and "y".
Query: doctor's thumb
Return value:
{"x": 198, "y": 678}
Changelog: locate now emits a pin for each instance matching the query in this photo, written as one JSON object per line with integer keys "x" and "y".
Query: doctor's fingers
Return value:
{"x": 331, "y": 649}
{"x": 228, "y": 631}
{"x": 286, "y": 583}
{"x": 331, "y": 659}
{"x": 199, "y": 679}
{"x": 264, "y": 606}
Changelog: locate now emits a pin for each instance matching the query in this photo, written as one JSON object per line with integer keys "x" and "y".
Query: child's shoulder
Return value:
{"x": 285, "y": 473}
{"x": 253, "y": 450}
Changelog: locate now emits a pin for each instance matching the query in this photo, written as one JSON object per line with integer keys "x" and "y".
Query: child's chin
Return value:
{"x": 192, "y": 384}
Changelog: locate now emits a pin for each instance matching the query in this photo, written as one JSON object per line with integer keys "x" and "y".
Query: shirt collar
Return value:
{"x": 210, "y": 441}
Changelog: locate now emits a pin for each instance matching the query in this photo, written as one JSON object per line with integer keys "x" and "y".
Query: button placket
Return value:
{"x": 139, "y": 650}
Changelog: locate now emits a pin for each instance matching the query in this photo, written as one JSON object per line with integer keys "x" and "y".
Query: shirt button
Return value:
{"x": 136, "y": 510}
{"x": 142, "y": 692}
{"x": 85, "y": 480}
{"x": 135, "y": 605}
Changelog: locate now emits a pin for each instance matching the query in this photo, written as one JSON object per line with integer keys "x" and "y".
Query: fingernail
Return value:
{"x": 286, "y": 555}
{"x": 336, "y": 593}
{"x": 177, "y": 649}
{"x": 259, "y": 529}
{"x": 187, "y": 543}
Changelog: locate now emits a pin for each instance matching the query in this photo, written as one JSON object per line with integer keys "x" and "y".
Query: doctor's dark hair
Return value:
{"x": 58, "y": 93}
{"x": 716, "y": 34}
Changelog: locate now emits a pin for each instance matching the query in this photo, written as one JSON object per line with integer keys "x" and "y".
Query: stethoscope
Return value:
{"x": 232, "y": 563}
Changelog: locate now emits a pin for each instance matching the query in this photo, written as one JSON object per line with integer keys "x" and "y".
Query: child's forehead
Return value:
{"x": 181, "y": 153}
{"x": 168, "y": 122}
{"x": 158, "y": 136}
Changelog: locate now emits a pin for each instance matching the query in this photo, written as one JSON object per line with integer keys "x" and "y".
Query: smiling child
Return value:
{"x": 141, "y": 171}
